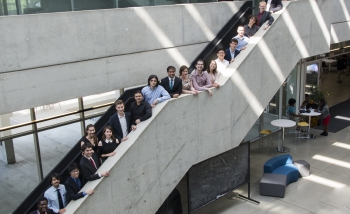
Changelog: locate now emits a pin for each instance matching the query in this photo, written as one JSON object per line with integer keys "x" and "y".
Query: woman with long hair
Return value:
{"x": 187, "y": 87}
{"x": 214, "y": 74}
{"x": 325, "y": 116}
{"x": 108, "y": 144}
{"x": 90, "y": 137}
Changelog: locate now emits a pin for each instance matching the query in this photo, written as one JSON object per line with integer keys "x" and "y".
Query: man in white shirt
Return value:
{"x": 120, "y": 122}
{"x": 220, "y": 61}
{"x": 56, "y": 195}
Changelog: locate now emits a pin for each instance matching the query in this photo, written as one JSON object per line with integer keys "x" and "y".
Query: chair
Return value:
{"x": 265, "y": 133}
{"x": 303, "y": 125}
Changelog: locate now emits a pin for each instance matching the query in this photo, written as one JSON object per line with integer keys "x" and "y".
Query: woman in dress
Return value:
{"x": 325, "y": 116}
{"x": 187, "y": 87}
{"x": 214, "y": 74}
{"x": 108, "y": 144}
{"x": 90, "y": 137}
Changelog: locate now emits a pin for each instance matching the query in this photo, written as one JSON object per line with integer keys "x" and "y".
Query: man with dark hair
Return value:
{"x": 154, "y": 93}
{"x": 231, "y": 52}
{"x": 120, "y": 122}
{"x": 56, "y": 194}
{"x": 140, "y": 109}
{"x": 263, "y": 16}
{"x": 89, "y": 163}
{"x": 42, "y": 207}
{"x": 171, "y": 83}
{"x": 221, "y": 62}
{"x": 73, "y": 184}
{"x": 242, "y": 39}
{"x": 200, "y": 79}
{"x": 274, "y": 5}
{"x": 250, "y": 29}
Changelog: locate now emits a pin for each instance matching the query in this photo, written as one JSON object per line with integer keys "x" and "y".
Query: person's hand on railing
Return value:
{"x": 210, "y": 92}
{"x": 133, "y": 127}
{"x": 89, "y": 191}
{"x": 111, "y": 154}
{"x": 125, "y": 138}
{"x": 104, "y": 174}
{"x": 62, "y": 211}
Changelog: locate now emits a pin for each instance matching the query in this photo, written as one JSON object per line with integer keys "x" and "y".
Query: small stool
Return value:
{"x": 273, "y": 185}
{"x": 265, "y": 132}
{"x": 303, "y": 166}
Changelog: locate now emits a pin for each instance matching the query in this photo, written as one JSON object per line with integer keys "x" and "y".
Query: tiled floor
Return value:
{"x": 326, "y": 190}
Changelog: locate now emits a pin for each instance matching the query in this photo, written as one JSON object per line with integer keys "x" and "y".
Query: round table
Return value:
{"x": 283, "y": 123}
{"x": 311, "y": 114}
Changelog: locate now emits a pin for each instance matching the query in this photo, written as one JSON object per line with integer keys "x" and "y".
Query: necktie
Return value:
{"x": 60, "y": 202}
{"x": 78, "y": 182}
{"x": 93, "y": 163}
{"x": 171, "y": 84}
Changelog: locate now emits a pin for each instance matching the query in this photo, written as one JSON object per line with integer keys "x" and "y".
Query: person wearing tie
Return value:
{"x": 108, "y": 144}
{"x": 89, "y": 163}
{"x": 171, "y": 83}
{"x": 73, "y": 184}
{"x": 56, "y": 194}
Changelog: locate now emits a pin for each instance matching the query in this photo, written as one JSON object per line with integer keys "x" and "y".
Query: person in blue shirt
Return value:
{"x": 241, "y": 38}
{"x": 74, "y": 184}
{"x": 291, "y": 110}
{"x": 154, "y": 93}
{"x": 56, "y": 194}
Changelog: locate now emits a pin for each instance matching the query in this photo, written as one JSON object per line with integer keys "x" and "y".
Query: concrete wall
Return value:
{"x": 340, "y": 29}
{"x": 47, "y": 58}
{"x": 190, "y": 129}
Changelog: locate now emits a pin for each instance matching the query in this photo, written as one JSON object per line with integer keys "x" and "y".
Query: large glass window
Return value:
{"x": 289, "y": 89}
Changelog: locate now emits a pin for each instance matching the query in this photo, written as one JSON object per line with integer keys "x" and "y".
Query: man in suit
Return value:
{"x": 274, "y": 5}
{"x": 73, "y": 184}
{"x": 263, "y": 16}
{"x": 120, "y": 122}
{"x": 171, "y": 83}
{"x": 42, "y": 207}
{"x": 231, "y": 52}
{"x": 89, "y": 163}
{"x": 56, "y": 194}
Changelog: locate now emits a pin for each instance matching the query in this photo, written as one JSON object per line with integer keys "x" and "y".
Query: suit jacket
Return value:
{"x": 88, "y": 170}
{"x": 228, "y": 54}
{"x": 265, "y": 16}
{"x": 177, "y": 87}
{"x": 115, "y": 124}
{"x": 73, "y": 189}
{"x": 48, "y": 211}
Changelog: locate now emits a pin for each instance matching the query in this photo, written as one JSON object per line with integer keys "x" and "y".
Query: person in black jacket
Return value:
{"x": 73, "y": 184}
{"x": 120, "y": 122}
{"x": 89, "y": 163}
{"x": 42, "y": 207}
{"x": 171, "y": 83}
{"x": 264, "y": 16}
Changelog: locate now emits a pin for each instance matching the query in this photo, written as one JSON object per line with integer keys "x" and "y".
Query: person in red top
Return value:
{"x": 263, "y": 16}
